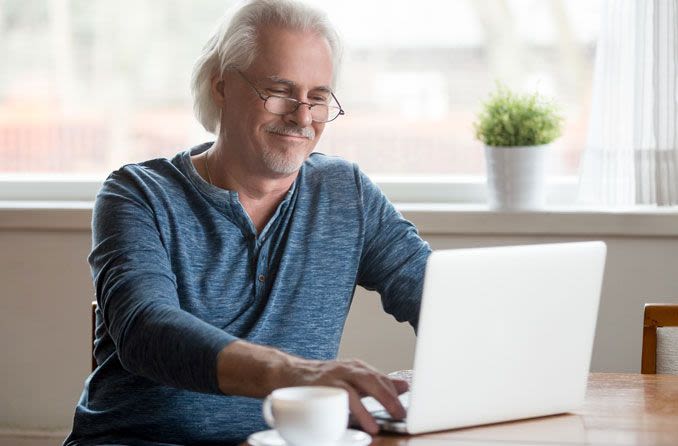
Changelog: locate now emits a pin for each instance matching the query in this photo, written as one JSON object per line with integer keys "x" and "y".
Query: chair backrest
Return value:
{"x": 93, "y": 335}
{"x": 660, "y": 339}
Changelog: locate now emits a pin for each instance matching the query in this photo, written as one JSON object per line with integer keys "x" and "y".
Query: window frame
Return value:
{"x": 421, "y": 189}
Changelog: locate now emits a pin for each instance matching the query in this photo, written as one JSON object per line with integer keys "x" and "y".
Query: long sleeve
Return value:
{"x": 394, "y": 257}
{"x": 137, "y": 293}
{"x": 179, "y": 274}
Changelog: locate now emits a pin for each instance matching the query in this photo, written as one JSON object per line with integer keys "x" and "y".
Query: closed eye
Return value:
{"x": 275, "y": 92}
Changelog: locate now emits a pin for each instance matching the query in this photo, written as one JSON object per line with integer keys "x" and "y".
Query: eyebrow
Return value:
{"x": 281, "y": 80}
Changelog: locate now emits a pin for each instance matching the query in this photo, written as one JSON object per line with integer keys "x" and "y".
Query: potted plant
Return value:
{"x": 517, "y": 130}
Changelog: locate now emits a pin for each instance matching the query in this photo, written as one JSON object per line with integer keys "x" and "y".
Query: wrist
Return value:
{"x": 252, "y": 370}
{"x": 283, "y": 370}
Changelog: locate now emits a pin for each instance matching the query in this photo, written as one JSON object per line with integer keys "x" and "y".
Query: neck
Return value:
{"x": 231, "y": 172}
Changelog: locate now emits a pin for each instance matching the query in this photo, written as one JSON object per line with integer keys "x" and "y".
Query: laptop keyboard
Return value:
{"x": 382, "y": 415}
{"x": 402, "y": 374}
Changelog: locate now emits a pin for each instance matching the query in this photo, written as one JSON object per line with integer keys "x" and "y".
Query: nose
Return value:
{"x": 301, "y": 117}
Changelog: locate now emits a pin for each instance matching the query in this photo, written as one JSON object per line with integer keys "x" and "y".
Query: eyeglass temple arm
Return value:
{"x": 254, "y": 87}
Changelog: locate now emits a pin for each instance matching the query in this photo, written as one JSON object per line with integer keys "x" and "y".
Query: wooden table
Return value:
{"x": 620, "y": 409}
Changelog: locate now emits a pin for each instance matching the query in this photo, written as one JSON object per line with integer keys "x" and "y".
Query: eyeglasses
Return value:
{"x": 279, "y": 105}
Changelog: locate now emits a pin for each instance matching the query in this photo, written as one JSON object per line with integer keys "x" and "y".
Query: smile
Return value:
{"x": 293, "y": 137}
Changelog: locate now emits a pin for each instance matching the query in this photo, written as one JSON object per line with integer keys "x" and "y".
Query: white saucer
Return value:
{"x": 272, "y": 438}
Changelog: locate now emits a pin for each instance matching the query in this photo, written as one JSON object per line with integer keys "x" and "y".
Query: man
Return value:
{"x": 228, "y": 271}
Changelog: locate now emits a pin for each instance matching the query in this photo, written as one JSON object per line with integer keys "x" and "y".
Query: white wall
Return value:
{"x": 44, "y": 326}
{"x": 46, "y": 290}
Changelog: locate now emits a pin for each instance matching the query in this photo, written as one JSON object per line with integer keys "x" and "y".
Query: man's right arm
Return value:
{"x": 253, "y": 370}
{"x": 137, "y": 293}
{"x": 155, "y": 338}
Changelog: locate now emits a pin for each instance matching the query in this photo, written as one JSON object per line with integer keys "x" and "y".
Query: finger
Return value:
{"x": 397, "y": 385}
{"x": 383, "y": 390}
{"x": 357, "y": 366}
{"x": 361, "y": 414}
{"x": 361, "y": 366}
{"x": 400, "y": 385}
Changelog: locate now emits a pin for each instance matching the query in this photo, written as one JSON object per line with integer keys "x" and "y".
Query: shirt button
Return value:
{"x": 262, "y": 278}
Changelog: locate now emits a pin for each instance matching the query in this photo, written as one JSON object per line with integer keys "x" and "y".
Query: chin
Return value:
{"x": 282, "y": 162}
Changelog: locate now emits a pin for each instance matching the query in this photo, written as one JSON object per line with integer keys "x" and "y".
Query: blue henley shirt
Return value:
{"x": 180, "y": 272}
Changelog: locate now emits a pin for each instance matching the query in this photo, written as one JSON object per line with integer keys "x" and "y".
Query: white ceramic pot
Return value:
{"x": 516, "y": 177}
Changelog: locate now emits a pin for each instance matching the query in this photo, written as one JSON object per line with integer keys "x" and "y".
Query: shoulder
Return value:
{"x": 341, "y": 177}
{"x": 144, "y": 182}
{"x": 321, "y": 168}
{"x": 154, "y": 173}
{"x": 158, "y": 170}
{"x": 318, "y": 161}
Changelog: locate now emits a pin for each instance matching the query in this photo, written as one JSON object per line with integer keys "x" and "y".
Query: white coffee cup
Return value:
{"x": 308, "y": 415}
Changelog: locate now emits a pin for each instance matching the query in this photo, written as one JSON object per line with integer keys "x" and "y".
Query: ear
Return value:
{"x": 218, "y": 86}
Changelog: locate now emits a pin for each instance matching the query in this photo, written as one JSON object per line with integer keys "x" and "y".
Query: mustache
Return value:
{"x": 291, "y": 130}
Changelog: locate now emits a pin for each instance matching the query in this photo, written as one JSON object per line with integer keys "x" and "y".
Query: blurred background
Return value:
{"x": 89, "y": 85}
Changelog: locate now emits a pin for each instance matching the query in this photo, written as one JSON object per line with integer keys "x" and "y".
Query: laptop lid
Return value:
{"x": 504, "y": 333}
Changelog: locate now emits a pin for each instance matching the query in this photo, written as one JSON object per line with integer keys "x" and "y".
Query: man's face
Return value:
{"x": 291, "y": 64}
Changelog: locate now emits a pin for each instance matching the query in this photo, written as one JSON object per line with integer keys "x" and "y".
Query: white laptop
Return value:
{"x": 504, "y": 333}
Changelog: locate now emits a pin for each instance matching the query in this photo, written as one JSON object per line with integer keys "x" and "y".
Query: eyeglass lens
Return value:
{"x": 283, "y": 106}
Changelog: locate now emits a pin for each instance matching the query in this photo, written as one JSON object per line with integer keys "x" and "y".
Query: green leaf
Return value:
{"x": 510, "y": 119}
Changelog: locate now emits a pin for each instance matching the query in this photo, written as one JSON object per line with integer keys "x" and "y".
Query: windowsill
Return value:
{"x": 430, "y": 218}
{"x": 46, "y": 215}
{"x": 460, "y": 219}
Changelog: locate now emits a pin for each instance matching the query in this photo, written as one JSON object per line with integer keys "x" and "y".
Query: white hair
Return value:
{"x": 234, "y": 45}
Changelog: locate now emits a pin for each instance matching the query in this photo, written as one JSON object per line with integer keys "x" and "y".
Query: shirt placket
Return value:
{"x": 261, "y": 267}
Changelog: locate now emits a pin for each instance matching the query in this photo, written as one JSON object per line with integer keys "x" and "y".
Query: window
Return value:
{"x": 94, "y": 84}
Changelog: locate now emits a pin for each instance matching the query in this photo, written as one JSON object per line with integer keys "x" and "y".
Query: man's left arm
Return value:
{"x": 394, "y": 257}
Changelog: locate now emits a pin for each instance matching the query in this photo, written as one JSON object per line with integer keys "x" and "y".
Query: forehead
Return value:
{"x": 274, "y": 79}
{"x": 303, "y": 58}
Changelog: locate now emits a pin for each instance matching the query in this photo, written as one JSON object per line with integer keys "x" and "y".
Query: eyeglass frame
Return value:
{"x": 299, "y": 103}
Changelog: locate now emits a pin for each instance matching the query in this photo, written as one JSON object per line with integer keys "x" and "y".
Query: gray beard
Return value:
{"x": 281, "y": 164}
{"x": 278, "y": 161}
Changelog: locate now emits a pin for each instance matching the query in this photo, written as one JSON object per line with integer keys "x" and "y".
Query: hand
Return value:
{"x": 255, "y": 370}
{"x": 357, "y": 378}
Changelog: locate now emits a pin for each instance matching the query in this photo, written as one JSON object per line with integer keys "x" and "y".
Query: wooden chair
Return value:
{"x": 93, "y": 335}
{"x": 660, "y": 339}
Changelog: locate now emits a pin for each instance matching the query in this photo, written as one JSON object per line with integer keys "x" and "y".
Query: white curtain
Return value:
{"x": 631, "y": 155}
